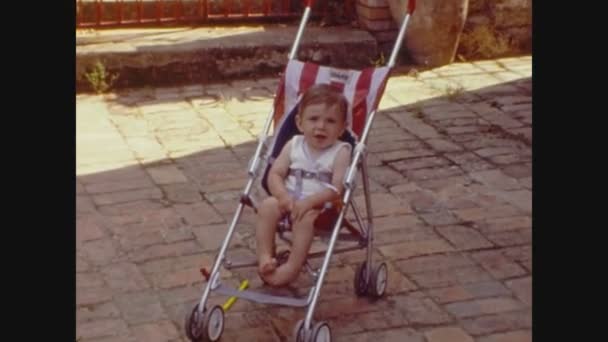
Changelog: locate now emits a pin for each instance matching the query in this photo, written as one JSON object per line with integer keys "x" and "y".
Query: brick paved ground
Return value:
{"x": 159, "y": 171}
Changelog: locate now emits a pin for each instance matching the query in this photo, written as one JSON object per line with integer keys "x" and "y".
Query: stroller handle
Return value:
{"x": 411, "y": 6}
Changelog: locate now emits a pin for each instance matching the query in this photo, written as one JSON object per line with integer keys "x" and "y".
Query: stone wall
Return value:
{"x": 491, "y": 28}
{"x": 509, "y": 20}
{"x": 375, "y": 17}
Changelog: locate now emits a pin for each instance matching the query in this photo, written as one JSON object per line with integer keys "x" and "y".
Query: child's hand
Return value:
{"x": 299, "y": 209}
{"x": 286, "y": 204}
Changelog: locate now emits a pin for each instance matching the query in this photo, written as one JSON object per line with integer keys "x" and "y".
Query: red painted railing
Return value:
{"x": 123, "y": 13}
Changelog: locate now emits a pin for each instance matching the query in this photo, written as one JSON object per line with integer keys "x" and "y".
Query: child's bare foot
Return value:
{"x": 282, "y": 276}
{"x": 267, "y": 265}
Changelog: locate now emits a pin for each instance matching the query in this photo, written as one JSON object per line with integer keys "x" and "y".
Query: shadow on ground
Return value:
{"x": 144, "y": 230}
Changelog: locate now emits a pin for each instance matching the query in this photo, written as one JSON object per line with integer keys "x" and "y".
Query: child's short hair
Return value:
{"x": 324, "y": 94}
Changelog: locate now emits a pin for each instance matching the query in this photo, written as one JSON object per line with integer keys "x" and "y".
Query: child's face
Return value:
{"x": 321, "y": 125}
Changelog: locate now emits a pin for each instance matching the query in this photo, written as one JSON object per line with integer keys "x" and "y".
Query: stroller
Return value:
{"x": 363, "y": 90}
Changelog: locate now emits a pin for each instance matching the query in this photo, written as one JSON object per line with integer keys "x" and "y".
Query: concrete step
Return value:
{"x": 175, "y": 56}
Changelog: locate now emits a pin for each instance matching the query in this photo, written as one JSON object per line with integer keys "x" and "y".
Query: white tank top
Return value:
{"x": 300, "y": 159}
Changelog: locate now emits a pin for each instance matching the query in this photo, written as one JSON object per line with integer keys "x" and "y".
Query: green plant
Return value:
{"x": 452, "y": 92}
{"x": 413, "y": 72}
{"x": 483, "y": 41}
{"x": 378, "y": 62}
{"x": 100, "y": 79}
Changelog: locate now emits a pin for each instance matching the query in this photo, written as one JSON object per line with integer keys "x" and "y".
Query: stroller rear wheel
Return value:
{"x": 321, "y": 332}
{"x": 376, "y": 286}
{"x": 361, "y": 284}
{"x": 378, "y": 281}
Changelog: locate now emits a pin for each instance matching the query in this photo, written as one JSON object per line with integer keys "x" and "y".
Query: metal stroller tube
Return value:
{"x": 220, "y": 258}
{"x": 296, "y": 43}
{"x": 346, "y": 199}
{"x": 261, "y": 140}
{"x": 251, "y": 172}
{"x": 411, "y": 6}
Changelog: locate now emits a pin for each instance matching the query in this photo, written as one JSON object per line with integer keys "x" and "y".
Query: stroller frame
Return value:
{"x": 207, "y": 325}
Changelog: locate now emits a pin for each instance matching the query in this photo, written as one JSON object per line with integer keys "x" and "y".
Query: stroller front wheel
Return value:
{"x": 193, "y": 324}
{"x": 320, "y": 332}
{"x": 206, "y": 326}
{"x": 299, "y": 333}
{"x": 214, "y": 323}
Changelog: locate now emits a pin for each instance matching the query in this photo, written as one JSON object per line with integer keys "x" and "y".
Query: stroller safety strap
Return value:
{"x": 323, "y": 177}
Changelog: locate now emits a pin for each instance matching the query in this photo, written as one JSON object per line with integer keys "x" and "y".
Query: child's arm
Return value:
{"x": 340, "y": 165}
{"x": 276, "y": 178}
{"x": 327, "y": 195}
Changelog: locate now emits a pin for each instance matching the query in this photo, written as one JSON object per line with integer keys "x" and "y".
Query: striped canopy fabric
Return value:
{"x": 362, "y": 88}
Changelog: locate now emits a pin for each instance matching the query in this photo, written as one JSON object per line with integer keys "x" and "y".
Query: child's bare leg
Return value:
{"x": 303, "y": 233}
{"x": 268, "y": 217}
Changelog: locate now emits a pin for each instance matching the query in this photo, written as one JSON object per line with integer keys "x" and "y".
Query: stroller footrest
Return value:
{"x": 261, "y": 298}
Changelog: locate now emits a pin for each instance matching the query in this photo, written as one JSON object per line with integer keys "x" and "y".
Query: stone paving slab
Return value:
{"x": 159, "y": 172}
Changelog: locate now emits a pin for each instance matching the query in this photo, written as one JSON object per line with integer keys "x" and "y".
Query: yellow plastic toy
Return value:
{"x": 232, "y": 299}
